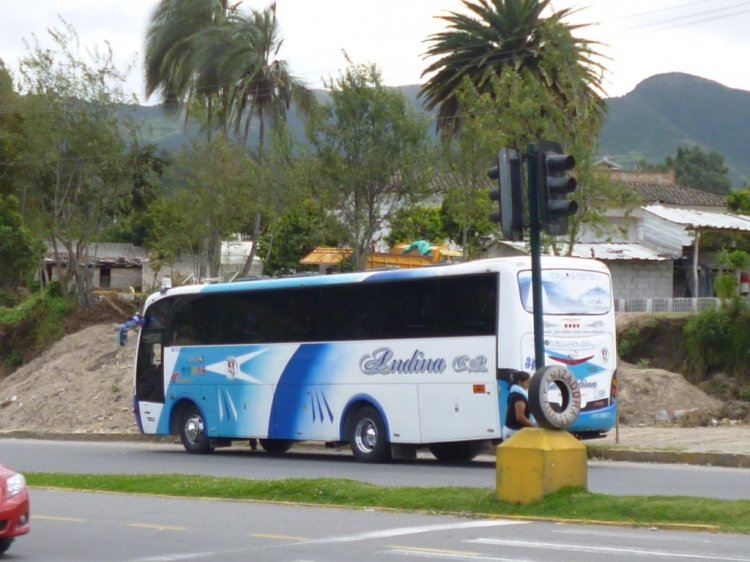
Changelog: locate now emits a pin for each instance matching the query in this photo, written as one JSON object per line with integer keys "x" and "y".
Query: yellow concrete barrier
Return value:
{"x": 535, "y": 462}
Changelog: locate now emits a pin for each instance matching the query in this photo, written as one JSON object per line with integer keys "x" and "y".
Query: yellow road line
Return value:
{"x": 157, "y": 527}
{"x": 281, "y": 537}
{"x": 55, "y": 518}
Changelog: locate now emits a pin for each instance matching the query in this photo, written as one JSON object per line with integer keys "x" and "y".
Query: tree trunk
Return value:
{"x": 256, "y": 236}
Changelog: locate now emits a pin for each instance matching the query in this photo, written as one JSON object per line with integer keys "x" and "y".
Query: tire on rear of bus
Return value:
{"x": 275, "y": 446}
{"x": 552, "y": 415}
{"x": 193, "y": 431}
{"x": 367, "y": 436}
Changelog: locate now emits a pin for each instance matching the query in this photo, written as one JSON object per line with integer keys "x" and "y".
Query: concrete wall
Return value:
{"x": 641, "y": 279}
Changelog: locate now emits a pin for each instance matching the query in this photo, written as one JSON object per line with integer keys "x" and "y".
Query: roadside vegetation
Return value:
{"x": 573, "y": 505}
{"x": 31, "y": 326}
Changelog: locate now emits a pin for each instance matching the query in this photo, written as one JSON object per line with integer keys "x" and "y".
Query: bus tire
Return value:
{"x": 367, "y": 436}
{"x": 193, "y": 431}
{"x": 275, "y": 446}
{"x": 460, "y": 451}
{"x": 554, "y": 416}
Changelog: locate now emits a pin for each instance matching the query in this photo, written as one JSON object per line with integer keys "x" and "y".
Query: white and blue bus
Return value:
{"x": 379, "y": 359}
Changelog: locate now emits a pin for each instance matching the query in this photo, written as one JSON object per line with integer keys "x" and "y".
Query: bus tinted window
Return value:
{"x": 468, "y": 305}
{"x": 347, "y": 312}
{"x": 568, "y": 291}
{"x": 423, "y": 308}
{"x": 408, "y": 309}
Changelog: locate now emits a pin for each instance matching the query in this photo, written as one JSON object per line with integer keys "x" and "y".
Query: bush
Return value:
{"x": 30, "y": 327}
{"x": 717, "y": 340}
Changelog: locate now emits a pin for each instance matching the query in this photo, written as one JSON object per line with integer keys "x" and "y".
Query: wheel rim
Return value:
{"x": 366, "y": 435}
{"x": 194, "y": 428}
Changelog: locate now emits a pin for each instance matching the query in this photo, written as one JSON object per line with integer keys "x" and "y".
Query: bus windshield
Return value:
{"x": 568, "y": 291}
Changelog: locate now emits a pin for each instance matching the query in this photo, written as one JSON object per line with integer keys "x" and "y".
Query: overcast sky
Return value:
{"x": 707, "y": 38}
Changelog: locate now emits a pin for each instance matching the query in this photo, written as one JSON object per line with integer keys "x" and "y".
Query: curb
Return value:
{"x": 729, "y": 460}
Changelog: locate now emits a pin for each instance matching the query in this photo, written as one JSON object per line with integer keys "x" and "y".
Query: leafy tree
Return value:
{"x": 214, "y": 180}
{"x": 298, "y": 232}
{"x": 528, "y": 113}
{"x": 500, "y": 36}
{"x": 209, "y": 59}
{"x": 19, "y": 250}
{"x": 11, "y": 135}
{"x": 739, "y": 201}
{"x": 77, "y": 171}
{"x": 700, "y": 170}
{"x": 171, "y": 232}
{"x": 146, "y": 167}
{"x": 417, "y": 222}
{"x": 372, "y": 149}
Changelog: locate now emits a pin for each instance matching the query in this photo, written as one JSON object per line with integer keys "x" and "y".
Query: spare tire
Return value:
{"x": 550, "y": 415}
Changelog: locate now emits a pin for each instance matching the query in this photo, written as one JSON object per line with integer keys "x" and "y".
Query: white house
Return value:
{"x": 653, "y": 249}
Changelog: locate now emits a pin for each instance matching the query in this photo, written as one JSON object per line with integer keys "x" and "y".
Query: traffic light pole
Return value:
{"x": 532, "y": 161}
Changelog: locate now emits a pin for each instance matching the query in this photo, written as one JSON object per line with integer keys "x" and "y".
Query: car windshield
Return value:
{"x": 568, "y": 291}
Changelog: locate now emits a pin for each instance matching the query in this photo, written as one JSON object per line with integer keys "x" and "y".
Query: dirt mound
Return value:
{"x": 656, "y": 396}
{"x": 82, "y": 384}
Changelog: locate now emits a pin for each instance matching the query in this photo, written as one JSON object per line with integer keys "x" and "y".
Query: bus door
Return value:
{"x": 149, "y": 382}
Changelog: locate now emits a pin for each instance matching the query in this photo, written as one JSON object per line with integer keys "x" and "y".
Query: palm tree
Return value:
{"x": 178, "y": 33}
{"x": 263, "y": 86}
{"x": 500, "y": 35}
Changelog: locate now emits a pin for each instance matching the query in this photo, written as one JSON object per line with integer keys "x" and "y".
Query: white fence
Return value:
{"x": 666, "y": 305}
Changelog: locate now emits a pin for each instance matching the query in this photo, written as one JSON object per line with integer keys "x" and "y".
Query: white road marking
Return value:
{"x": 402, "y": 531}
{"x": 605, "y": 550}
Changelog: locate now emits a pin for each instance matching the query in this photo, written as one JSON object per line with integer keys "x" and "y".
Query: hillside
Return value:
{"x": 670, "y": 110}
{"x": 662, "y": 113}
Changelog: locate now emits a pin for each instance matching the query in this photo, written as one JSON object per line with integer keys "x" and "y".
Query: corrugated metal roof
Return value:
{"x": 700, "y": 220}
{"x": 605, "y": 251}
{"x": 613, "y": 251}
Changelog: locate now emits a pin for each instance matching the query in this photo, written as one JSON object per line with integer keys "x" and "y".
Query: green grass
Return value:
{"x": 567, "y": 504}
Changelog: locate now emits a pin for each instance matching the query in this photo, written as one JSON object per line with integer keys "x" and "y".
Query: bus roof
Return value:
{"x": 511, "y": 264}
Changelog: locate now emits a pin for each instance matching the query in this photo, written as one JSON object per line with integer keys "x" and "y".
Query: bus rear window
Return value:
{"x": 569, "y": 291}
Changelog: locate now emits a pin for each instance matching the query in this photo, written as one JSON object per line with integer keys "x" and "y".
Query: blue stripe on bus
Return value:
{"x": 296, "y": 401}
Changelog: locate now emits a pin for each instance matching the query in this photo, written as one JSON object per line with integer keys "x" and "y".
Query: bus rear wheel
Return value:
{"x": 461, "y": 451}
{"x": 367, "y": 436}
{"x": 275, "y": 446}
{"x": 193, "y": 431}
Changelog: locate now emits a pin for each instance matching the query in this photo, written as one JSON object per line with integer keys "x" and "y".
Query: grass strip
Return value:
{"x": 569, "y": 504}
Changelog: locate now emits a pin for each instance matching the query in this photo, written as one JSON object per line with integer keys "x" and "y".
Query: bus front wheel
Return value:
{"x": 367, "y": 437}
{"x": 193, "y": 431}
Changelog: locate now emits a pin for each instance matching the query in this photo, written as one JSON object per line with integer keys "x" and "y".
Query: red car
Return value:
{"x": 14, "y": 507}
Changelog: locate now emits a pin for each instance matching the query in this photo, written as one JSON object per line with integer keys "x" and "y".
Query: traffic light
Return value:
{"x": 552, "y": 187}
{"x": 509, "y": 193}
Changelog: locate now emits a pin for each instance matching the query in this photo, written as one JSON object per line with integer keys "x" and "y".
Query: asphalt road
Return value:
{"x": 615, "y": 478}
{"x": 92, "y": 527}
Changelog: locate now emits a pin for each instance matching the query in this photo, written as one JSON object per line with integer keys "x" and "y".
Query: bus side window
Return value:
{"x": 409, "y": 309}
{"x": 468, "y": 305}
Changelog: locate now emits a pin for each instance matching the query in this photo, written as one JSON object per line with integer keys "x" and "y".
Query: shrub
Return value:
{"x": 717, "y": 340}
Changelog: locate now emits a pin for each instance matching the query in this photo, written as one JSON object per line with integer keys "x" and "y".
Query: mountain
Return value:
{"x": 666, "y": 111}
{"x": 662, "y": 113}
